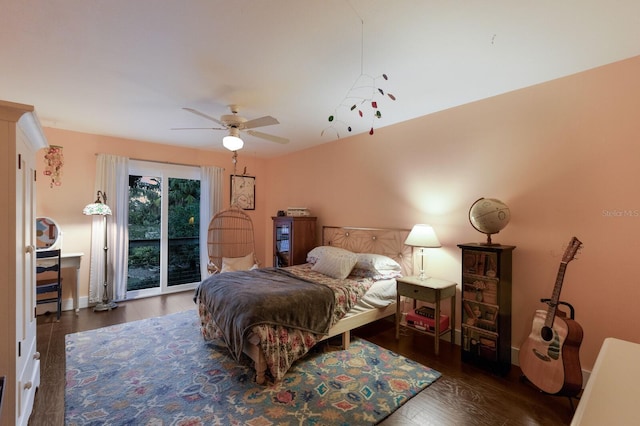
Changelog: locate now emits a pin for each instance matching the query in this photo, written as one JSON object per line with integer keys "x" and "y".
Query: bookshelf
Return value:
{"x": 486, "y": 305}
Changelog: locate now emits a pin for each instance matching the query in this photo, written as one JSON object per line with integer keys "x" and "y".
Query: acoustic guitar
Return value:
{"x": 549, "y": 358}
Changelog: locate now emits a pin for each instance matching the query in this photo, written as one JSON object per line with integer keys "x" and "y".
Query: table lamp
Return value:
{"x": 422, "y": 236}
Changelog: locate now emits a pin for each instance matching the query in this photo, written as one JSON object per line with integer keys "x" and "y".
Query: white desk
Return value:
{"x": 611, "y": 396}
{"x": 72, "y": 260}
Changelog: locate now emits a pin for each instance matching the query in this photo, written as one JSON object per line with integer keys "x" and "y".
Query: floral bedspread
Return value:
{"x": 282, "y": 346}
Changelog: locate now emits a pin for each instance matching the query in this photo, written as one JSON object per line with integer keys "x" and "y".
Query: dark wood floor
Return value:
{"x": 464, "y": 395}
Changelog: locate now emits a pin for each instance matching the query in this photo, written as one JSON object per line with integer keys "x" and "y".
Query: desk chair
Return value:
{"x": 49, "y": 279}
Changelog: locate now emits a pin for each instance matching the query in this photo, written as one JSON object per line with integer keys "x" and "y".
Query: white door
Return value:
{"x": 28, "y": 362}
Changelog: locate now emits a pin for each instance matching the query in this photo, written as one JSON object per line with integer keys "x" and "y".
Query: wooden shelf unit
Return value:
{"x": 486, "y": 306}
{"x": 293, "y": 238}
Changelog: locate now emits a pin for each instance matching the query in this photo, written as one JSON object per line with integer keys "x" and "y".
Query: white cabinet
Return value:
{"x": 20, "y": 138}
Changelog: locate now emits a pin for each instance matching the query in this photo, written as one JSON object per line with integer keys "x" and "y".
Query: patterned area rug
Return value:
{"x": 160, "y": 371}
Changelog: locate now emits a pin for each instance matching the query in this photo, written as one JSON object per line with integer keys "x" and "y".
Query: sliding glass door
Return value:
{"x": 164, "y": 223}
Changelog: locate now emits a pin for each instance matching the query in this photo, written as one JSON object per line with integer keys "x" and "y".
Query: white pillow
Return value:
{"x": 316, "y": 253}
{"x": 379, "y": 295}
{"x": 374, "y": 275}
{"x": 335, "y": 264}
{"x": 376, "y": 266}
{"x": 230, "y": 264}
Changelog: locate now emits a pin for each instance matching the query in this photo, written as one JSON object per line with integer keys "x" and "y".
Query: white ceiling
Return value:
{"x": 126, "y": 68}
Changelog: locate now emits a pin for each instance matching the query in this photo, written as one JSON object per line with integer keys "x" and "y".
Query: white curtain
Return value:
{"x": 210, "y": 203}
{"x": 112, "y": 174}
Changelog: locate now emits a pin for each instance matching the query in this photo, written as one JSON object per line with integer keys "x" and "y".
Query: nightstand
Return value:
{"x": 430, "y": 290}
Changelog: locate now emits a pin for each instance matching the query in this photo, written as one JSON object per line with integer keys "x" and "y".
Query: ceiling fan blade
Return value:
{"x": 268, "y": 137}
{"x": 202, "y": 114}
{"x": 267, "y": 120}
{"x": 198, "y": 128}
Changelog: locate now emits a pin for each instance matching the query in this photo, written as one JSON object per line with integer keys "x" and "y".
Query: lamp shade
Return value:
{"x": 233, "y": 142}
{"x": 422, "y": 236}
{"x": 98, "y": 207}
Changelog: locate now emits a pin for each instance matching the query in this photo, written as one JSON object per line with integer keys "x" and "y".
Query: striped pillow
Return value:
{"x": 336, "y": 264}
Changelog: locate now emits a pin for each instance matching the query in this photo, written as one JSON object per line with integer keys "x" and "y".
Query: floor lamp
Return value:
{"x": 100, "y": 208}
{"x": 422, "y": 236}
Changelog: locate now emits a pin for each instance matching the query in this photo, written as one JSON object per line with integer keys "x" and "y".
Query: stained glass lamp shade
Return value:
{"x": 97, "y": 209}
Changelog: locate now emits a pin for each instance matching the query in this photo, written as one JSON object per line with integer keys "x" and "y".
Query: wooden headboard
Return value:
{"x": 389, "y": 242}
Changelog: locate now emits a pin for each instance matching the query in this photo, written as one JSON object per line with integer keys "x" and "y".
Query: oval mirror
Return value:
{"x": 48, "y": 234}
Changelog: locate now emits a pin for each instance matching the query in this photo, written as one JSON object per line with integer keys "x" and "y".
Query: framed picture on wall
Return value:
{"x": 243, "y": 191}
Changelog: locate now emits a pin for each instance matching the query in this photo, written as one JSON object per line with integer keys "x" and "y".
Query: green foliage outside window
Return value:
{"x": 145, "y": 209}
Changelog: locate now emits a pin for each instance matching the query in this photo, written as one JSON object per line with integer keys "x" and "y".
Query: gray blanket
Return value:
{"x": 239, "y": 300}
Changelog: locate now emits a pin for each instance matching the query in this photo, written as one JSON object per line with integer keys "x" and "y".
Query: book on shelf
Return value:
{"x": 424, "y": 323}
{"x": 426, "y": 311}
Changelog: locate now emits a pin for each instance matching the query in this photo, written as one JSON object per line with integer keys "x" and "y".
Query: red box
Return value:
{"x": 427, "y": 324}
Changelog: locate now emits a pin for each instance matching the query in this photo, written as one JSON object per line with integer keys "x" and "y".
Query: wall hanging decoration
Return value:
{"x": 243, "y": 187}
{"x": 54, "y": 161}
{"x": 243, "y": 191}
{"x": 363, "y": 100}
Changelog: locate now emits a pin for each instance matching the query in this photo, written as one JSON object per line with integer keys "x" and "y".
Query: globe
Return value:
{"x": 489, "y": 216}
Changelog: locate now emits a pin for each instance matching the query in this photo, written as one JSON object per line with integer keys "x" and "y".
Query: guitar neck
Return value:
{"x": 555, "y": 297}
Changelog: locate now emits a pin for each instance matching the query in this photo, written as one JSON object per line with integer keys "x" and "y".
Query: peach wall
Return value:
{"x": 65, "y": 203}
{"x": 563, "y": 155}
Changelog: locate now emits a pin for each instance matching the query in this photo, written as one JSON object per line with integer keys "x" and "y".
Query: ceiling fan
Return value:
{"x": 236, "y": 124}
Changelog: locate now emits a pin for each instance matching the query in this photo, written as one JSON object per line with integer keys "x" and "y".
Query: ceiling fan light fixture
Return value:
{"x": 233, "y": 142}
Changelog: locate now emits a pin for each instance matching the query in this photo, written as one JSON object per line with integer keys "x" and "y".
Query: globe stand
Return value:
{"x": 489, "y": 243}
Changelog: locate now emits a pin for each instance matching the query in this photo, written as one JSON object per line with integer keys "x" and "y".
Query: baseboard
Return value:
{"x": 67, "y": 305}
{"x": 515, "y": 356}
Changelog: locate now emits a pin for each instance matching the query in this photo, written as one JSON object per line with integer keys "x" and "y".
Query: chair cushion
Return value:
{"x": 244, "y": 263}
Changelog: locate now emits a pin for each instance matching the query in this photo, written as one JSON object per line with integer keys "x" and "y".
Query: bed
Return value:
{"x": 358, "y": 299}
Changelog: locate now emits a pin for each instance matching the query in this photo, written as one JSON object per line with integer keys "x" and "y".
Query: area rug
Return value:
{"x": 160, "y": 371}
